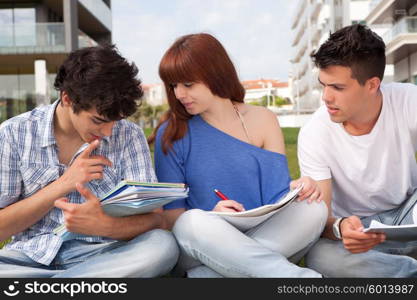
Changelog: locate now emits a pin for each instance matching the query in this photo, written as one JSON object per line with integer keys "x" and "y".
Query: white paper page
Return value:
{"x": 265, "y": 209}
{"x": 394, "y": 232}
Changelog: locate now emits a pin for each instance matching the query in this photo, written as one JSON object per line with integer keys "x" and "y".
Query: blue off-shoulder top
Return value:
{"x": 207, "y": 158}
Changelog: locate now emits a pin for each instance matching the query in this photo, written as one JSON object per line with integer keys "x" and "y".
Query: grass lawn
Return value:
{"x": 290, "y": 137}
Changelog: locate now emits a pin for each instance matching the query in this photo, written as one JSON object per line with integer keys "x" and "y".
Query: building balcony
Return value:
{"x": 85, "y": 41}
{"x": 32, "y": 38}
{"x": 401, "y": 39}
{"x": 301, "y": 7}
{"x": 99, "y": 9}
{"x": 315, "y": 9}
{"x": 301, "y": 25}
{"x": 300, "y": 51}
{"x": 315, "y": 33}
{"x": 299, "y": 31}
{"x": 388, "y": 11}
{"x": 37, "y": 38}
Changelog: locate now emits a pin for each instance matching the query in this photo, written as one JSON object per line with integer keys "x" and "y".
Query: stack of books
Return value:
{"x": 132, "y": 198}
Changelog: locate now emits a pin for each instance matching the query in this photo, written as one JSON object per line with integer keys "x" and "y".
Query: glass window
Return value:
{"x": 25, "y": 31}
{"x": 8, "y": 87}
{"x": 17, "y": 26}
{"x": 24, "y": 16}
{"x": 6, "y": 27}
{"x": 17, "y": 94}
{"x": 6, "y": 16}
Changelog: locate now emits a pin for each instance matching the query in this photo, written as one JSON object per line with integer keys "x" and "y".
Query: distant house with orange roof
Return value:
{"x": 257, "y": 89}
{"x": 154, "y": 94}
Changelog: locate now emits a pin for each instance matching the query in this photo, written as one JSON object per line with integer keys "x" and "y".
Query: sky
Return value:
{"x": 255, "y": 33}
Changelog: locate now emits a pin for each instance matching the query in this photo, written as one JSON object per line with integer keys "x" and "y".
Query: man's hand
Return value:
{"x": 86, "y": 218}
{"x": 354, "y": 239}
{"x": 85, "y": 168}
{"x": 228, "y": 206}
{"x": 311, "y": 190}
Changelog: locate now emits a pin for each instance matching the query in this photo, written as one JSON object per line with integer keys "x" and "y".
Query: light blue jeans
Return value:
{"x": 389, "y": 259}
{"x": 211, "y": 247}
{"x": 150, "y": 254}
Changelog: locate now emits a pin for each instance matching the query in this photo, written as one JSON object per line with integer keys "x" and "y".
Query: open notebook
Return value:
{"x": 404, "y": 233}
{"x": 132, "y": 198}
{"x": 249, "y": 218}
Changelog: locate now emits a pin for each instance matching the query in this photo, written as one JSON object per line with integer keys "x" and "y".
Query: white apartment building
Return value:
{"x": 154, "y": 94}
{"x": 401, "y": 37}
{"x": 312, "y": 23}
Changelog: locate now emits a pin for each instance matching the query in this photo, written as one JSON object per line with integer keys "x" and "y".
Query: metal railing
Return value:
{"x": 37, "y": 38}
{"x": 404, "y": 26}
{"x": 31, "y": 37}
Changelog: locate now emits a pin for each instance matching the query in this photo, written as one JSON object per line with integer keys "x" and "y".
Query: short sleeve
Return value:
{"x": 311, "y": 156}
{"x": 169, "y": 167}
{"x": 10, "y": 176}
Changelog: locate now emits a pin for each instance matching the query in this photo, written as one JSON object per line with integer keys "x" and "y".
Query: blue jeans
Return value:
{"x": 150, "y": 254}
{"x": 211, "y": 247}
{"x": 388, "y": 259}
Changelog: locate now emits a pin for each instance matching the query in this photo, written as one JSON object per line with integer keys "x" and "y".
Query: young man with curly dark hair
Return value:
{"x": 56, "y": 158}
{"x": 360, "y": 147}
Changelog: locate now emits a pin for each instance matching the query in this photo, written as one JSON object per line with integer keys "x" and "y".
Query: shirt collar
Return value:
{"x": 48, "y": 136}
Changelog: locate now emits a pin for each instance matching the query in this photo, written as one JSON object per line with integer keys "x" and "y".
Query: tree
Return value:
{"x": 146, "y": 115}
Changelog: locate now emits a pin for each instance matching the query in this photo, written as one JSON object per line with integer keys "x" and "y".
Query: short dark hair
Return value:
{"x": 354, "y": 46}
{"x": 99, "y": 77}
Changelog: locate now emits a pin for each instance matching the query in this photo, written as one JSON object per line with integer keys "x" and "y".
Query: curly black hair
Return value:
{"x": 354, "y": 46}
{"x": 99, "y": 77}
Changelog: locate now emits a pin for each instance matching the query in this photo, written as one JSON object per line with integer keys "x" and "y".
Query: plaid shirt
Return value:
{"x": 29, "y": 161}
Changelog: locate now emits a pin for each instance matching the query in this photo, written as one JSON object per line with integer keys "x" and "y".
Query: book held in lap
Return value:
{"x": 132, "y": 198}
{"x": 247, "y": 219}
{"x": 407, "y": 232}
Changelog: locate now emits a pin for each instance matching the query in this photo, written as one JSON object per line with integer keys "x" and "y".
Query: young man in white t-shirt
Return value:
{"x": 360, "y": 147}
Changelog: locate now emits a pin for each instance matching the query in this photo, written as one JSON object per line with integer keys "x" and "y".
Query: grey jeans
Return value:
{"x": 388, "y": 259}
{"x": 211, "y": 247}
{"x": 150, "y": 254}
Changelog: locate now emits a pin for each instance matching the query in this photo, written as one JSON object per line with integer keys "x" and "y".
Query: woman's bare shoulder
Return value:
{"x": 261, "y": 115}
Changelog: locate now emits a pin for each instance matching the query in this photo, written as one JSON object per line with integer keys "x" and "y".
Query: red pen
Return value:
{"x": 220, "y": 195}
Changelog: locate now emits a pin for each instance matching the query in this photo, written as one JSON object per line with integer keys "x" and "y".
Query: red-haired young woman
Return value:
{"x": 210, "y": 139}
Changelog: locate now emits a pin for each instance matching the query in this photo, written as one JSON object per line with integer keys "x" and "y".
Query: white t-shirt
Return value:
{"x": 370, "y": 173}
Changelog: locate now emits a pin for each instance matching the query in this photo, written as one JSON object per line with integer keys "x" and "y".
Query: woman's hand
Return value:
{"x": 311, "y": 191}
{"x": 228, "y": 206}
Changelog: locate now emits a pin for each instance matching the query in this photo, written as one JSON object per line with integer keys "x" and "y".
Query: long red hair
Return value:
{"x": 194, "y": 58}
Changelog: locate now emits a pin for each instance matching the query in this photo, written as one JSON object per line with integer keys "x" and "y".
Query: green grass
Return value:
{"x": 147, "y": 131}
{"x": 3, "y": 243}
{"x": 290, "y": 138}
